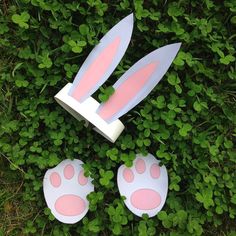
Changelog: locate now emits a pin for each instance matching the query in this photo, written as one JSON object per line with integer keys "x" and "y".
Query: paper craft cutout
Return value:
{"x": 130, "y": 89}
{"x": 103, "y": 60}
{"x": 144, "y": 185}
{"x": 138, "y": 82}
{"x": 87, "y": 111}
{"x": 65, "y": 190}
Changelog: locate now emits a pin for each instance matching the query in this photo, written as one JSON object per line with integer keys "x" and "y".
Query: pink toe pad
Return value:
{"x": 82, "y": 179}
{"x": 70, "y": 205}
{"x": 145, "y": 199}
{"x": 69, "y": 171}
{"x": 55, "y": 179}
{"x": 128, "y": 175}
{"x": 140, "y": 166}
{"x": 155, "y": 171}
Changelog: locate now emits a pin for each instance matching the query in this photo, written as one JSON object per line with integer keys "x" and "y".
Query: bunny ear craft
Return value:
{"x": 130, "y": 89}
{"x": 103, "y": 60}
{"x": 98, "y": 66}
{"x": 138, "y": 82}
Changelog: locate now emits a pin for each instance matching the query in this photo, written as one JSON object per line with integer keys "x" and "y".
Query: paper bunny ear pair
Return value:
{"x": 130, "y": 89}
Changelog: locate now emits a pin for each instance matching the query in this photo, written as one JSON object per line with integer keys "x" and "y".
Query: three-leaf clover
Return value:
{"x": 105, "y": 93}
{"x": 45, "y": 61}
{"x": 227, "y": 59}
{"x": 185, "y": 129}
{"x": 21, "y": 19}
{"x": 77, "y": 46}
{"x": 106, "y": 176}
{"x": 205, "y": 197}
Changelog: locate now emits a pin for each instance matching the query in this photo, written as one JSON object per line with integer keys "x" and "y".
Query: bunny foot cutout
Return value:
{"x": 65, "y": 189}
{"x": 144, "y": 185}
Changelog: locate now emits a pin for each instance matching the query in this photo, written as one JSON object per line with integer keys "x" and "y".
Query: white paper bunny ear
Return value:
{"x": 138, "y": 82}
{"x": 102, "y": 61}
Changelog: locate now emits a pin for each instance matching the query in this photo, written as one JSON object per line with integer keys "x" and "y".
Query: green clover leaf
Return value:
{"x": 21, "y": 19}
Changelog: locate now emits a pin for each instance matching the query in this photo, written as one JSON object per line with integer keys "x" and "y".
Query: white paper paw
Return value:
{"x": 144, "y": 185}
{"x": 65, "y": 189}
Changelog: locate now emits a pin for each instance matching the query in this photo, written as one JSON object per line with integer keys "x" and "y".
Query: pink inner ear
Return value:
{"x": 127, "y": 91}
{"x": 96, "y": 70}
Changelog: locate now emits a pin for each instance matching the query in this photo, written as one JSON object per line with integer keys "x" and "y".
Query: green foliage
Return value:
{"x": 188, "y": 121}
{"x": 21, "y": 19}
{"x": 105, "y": 93}
{"x": 77, "y": 47}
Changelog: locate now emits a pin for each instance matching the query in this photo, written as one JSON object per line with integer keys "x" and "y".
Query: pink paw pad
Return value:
{"x": 82, "y": 179}
{"x": 70, "y": 205}
{"x": 155, "y": 171}
{"x": 55, "y": 179}
{"x": 69, "y": 171}
{"x": 128, "y": 175}
{"x": 140, "y": 166}
{"x": 145, "y": 199}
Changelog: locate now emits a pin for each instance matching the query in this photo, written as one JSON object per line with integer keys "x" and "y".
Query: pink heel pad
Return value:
{"x": 55, "y": 179}
{"x": 128, "y": 175}
{"x": 140, "y": 166}
{"x": 127, "y": 91}
{"x": 96, "y": 70}
{"x": 69, "y": 171}
{"x": 70, "y": 205}
{"x": 145, "y": 199}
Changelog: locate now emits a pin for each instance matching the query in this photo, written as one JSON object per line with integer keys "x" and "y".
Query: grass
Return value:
{"x": 12, "y": 212}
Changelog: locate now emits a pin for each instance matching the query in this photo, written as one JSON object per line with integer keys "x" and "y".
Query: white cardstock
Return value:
{"x": 136, "y": 83}
{"x": 87, "y": 111}
{"x": 122, "y": 32}
{"x": 144, "y": 185}
{"x": 65, "y": 190}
